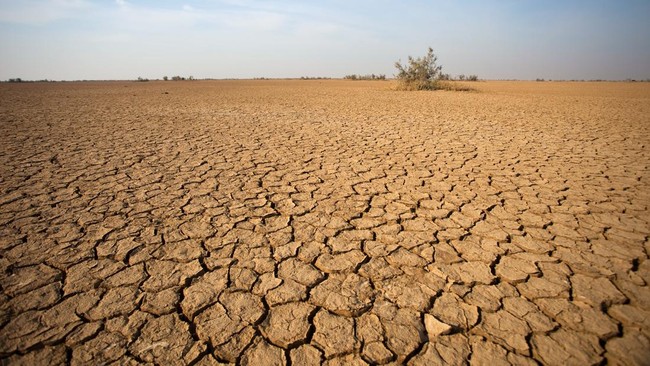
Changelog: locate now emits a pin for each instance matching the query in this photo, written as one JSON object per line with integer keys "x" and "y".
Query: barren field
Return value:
{"x": 324, "y": 222}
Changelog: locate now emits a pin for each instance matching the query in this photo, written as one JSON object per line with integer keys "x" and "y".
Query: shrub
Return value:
{"x": 420, "y": 73}
{"x": 472, "y": 78}
{"x": 165, "y": 78}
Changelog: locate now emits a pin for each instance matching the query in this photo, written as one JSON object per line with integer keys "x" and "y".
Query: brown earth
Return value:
{"x": 342, "y": 223}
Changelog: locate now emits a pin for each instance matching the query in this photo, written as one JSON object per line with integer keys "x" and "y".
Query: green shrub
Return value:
{"x": 420, "y": 73}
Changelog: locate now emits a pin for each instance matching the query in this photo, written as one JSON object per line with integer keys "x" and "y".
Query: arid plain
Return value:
{"x": 324, "y": 222}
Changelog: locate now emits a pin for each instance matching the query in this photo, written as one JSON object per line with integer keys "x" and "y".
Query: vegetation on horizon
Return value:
{"x": 365, "y": 77}
{"x": 179, "y": 78}
{"x": 19, "y": 80}
{"x": 462, "y": 77}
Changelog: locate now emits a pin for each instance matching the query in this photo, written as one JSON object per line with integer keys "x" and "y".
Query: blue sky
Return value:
{"x": 508, "y": 39}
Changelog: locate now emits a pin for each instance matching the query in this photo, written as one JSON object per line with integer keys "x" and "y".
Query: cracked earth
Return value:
{"x": 338, "y": 223}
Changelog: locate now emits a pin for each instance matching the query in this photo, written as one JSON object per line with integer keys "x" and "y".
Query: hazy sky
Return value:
{"x": 124, "y": 39}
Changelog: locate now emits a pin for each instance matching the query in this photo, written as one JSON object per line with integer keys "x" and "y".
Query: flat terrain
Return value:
{"x": 335, "y": 222}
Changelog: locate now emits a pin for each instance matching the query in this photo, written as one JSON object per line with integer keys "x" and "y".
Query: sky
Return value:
{"x": 506, "y": 39}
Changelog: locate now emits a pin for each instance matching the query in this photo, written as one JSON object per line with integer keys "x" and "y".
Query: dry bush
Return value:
{"x": 452, "y": 86}
{"x": 422, "y": 73}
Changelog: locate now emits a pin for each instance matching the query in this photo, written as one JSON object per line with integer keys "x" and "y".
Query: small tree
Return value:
{"x": 165, "y": 78}
{"x": 420, "y": 73}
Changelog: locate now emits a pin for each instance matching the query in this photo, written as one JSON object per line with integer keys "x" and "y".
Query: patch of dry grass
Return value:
{"x": 438, "y": 85}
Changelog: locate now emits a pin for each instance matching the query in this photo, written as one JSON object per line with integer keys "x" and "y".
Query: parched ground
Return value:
{"x": 308, "y": 222}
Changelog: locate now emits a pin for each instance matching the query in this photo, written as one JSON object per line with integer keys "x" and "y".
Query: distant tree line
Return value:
{"x": 462, "y": 77}
{"x": 365, "y": 77}
{"x": 19, "y": 80}
{"x": 179, "y": 78}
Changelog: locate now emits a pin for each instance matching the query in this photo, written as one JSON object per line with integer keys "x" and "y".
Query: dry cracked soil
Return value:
{"x": 324, "y": 222}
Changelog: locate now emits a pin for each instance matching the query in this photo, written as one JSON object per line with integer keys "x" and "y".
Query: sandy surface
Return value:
{"x": 267, "y": 222}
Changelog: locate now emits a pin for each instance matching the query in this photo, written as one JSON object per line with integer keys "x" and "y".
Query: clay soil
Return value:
{"x": 324, "y": 222}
